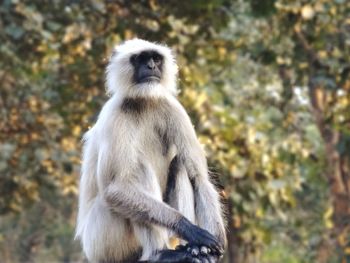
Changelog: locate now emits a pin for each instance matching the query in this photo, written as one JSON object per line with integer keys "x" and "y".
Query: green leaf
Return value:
{"x": 14, "y": 31}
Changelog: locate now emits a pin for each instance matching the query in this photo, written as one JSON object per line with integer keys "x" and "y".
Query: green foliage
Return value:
{"x": 245, "y": 69}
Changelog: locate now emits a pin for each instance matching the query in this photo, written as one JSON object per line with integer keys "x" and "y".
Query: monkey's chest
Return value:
{"x": 154, "y": 133}
{"x": 158, "y": 152}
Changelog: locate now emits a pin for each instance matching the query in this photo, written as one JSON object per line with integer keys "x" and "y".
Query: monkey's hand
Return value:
{"x": 198, "y": 236}
{"x": 201, "y": 254}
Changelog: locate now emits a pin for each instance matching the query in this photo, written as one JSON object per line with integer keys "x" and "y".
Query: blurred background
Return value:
{"x": 266, "y": 84}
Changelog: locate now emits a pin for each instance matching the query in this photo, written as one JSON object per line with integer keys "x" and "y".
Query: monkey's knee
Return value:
{"x": 107, "y": 237}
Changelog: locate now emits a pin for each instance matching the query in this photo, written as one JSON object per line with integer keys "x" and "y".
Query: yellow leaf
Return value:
{"x": 259, "y": 213}
{"x": 327, "y": 217}
{"x": 307, "y": 12}
{"x": 222, "y": 52}
{"x": 15, "y": 207}
{"x": 322, "y": 54}
{"x": 76, "y": 130}
{"x": 342, "y": 239}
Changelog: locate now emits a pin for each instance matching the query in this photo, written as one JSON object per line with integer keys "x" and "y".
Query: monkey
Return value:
{"x": 144, "y": 176}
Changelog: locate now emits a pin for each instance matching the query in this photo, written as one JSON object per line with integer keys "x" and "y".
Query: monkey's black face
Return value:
{"x": 148, "y": 66}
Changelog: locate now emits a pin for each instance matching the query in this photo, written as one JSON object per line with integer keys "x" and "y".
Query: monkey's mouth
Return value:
{"x": 151, "y": 78}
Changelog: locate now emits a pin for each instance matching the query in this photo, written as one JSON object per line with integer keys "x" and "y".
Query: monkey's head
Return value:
{"x": 141, "y": 68}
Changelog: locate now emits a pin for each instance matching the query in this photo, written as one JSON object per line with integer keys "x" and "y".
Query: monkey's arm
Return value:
{"x": 208, "y": 208}
{"x": 207, "y": 202}
{"x": 132, "y": 202}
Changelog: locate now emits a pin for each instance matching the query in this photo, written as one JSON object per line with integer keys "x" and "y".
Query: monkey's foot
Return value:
{"x": 172, "y": 256}
{"x": 200, "y": 254}
{"x": 184, "y": 254}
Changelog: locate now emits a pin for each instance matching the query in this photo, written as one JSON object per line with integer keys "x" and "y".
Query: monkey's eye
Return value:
{"x": 157, "y": 59}
{"x": 133, "y": 59}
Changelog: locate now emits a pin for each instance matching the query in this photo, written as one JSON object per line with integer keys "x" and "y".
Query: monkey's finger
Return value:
{"x": 215, "y": 250}
{"x": 218, "y": 250}
{"x": 221, "y": 250}
{"x": 204, "y": 250}
{"x": 204, "y": 260}
{"x": 195, "y": 251}
{"x": 215, "y": 246}
{"x": 213, "y": 259}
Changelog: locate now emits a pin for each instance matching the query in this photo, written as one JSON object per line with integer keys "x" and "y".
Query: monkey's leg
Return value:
{"x": 174, "y": 256}
{"x": 107, "y": 237}
{"x": 189, "y": 255}
{"x": 179, "y": 192}
{"x": 151, "y": 237}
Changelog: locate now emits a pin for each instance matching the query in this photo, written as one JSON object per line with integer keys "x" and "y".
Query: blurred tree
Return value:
{"x": 53, "y": 55}
{"x": 309, "y": 44}
{"x": 244, "y": 65}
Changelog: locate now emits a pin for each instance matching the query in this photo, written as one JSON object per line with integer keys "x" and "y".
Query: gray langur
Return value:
{"x": 144, "y": 173}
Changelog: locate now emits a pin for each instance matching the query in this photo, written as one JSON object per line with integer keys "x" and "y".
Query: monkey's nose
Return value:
{"x": 151, "y": 64}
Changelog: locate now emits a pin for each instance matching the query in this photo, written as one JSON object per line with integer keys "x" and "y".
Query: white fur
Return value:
{"x": 115, "y": 192}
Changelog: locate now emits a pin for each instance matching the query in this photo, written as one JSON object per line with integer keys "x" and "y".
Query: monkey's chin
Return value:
{"x": 148, "y": 89}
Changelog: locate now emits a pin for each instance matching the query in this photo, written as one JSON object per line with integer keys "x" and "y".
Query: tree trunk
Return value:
{"x": 232, "y": 238}
{"x": 337, "y": 173}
